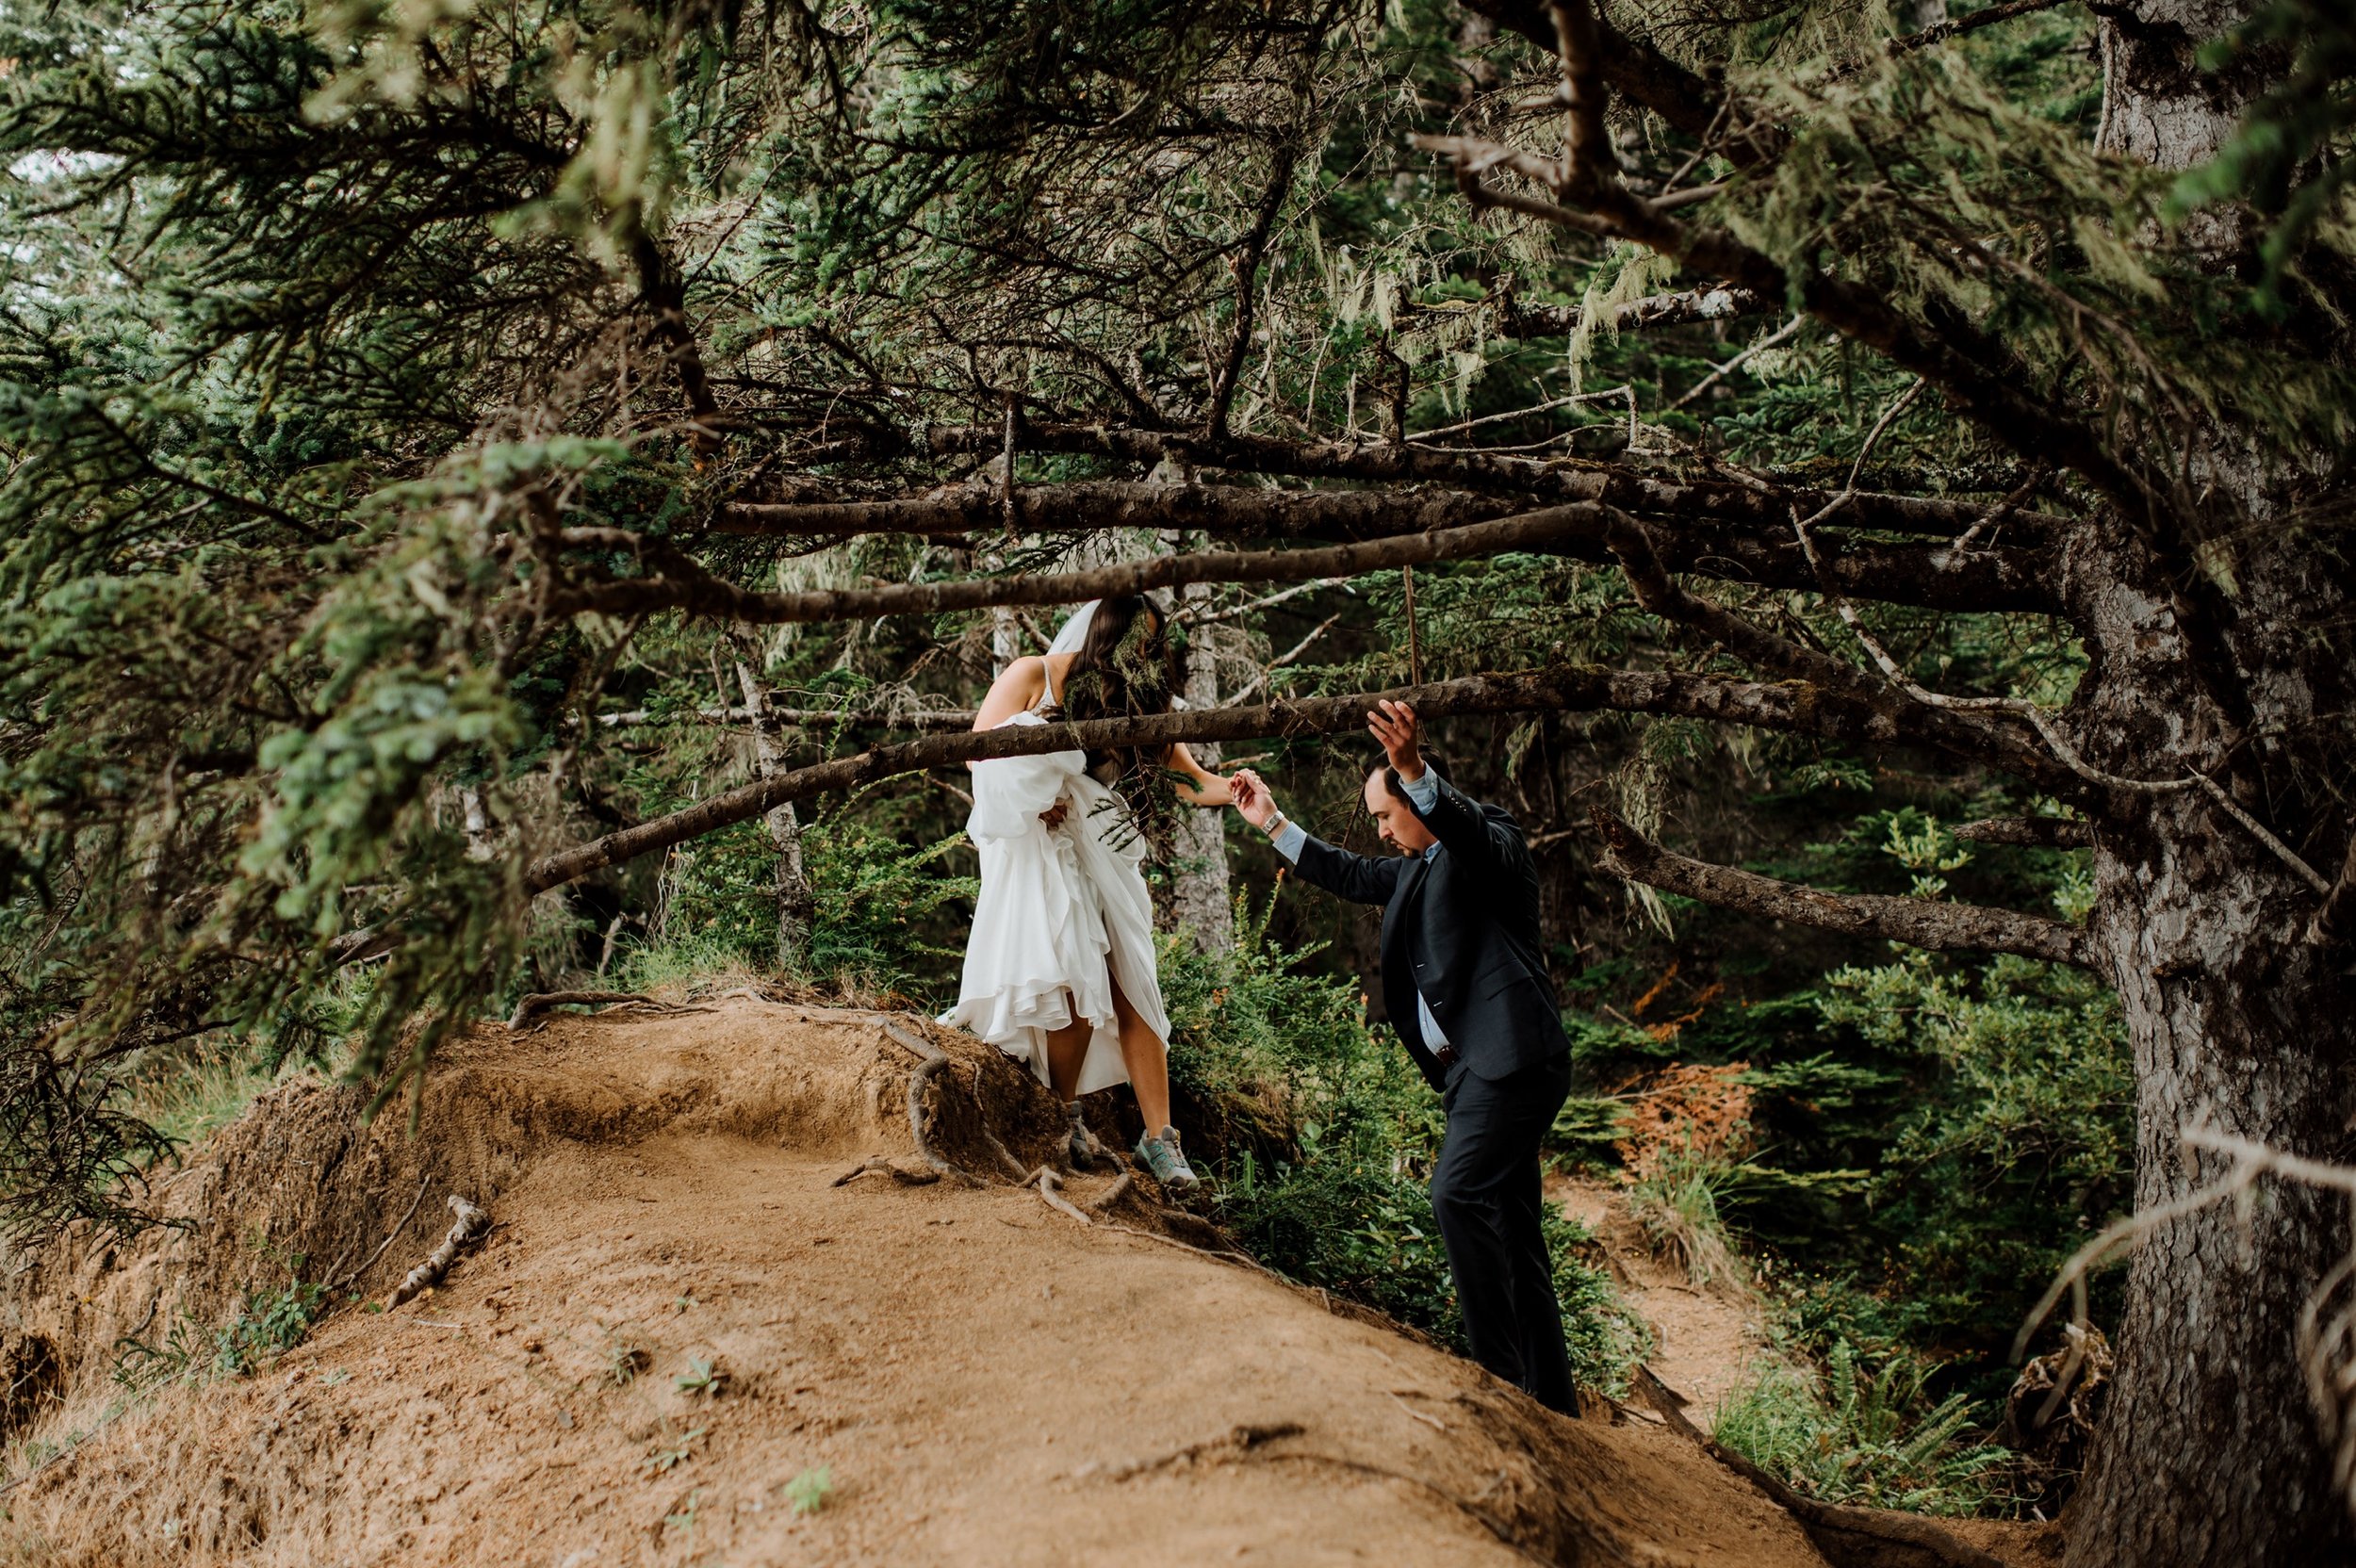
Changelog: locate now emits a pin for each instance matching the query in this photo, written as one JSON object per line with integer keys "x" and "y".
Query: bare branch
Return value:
{"x": 1941, "y": 32}
{"x": 1719, "y": 372}
{"x": 1246, "y": 269}
{"x": 1763, "y": 502}
{"x": 1719, "y": 529}
{"x": 679, "y": 583}
{"x": 2029, "y": 832}
{"x": 1226, "y": 509}
{"x": 1916, "y": 922}
{"x": 664, "y": 292}
{"x": 1791, "y": 706}
{"x": 1289, "y": 656}
{"x": 2335, "y": 919}
{"x": 1963, "y": 734}
{"x": 1632, "y": 66}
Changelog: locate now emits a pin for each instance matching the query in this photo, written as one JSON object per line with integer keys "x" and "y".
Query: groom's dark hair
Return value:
{"x": 1392, "y": 782}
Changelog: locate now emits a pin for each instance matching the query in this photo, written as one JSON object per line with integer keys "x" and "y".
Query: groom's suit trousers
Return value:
{"x": 1485, "y": 1194}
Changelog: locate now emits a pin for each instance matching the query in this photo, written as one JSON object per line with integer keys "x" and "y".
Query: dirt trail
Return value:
{"x": 1706, "y": 1342}
{"x": 985, "y": 1380}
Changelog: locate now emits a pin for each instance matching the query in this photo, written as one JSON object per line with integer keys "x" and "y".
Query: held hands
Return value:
{"x": 1250, "y": 797}
{"x": 1392, "y": 725}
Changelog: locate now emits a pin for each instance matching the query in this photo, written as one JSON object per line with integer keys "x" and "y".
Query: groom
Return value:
{"x": 1466, "y": 986}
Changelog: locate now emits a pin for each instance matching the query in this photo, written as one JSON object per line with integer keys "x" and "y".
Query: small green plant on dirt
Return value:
{"x": 270, "y": 1322}
{"x": 624, "y": 1360}
{"x": 184, "y": 1351}
{"x": 1869, "y": 1438}
{"x": 684, "y": 1520}
{"x": 672, "y": 1449}
{"x": 807, "y": 1493}
{"x": 702, "y": 1376}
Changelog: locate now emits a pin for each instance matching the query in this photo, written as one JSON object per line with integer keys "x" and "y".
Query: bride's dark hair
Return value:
{"x": 1125, "y": 669}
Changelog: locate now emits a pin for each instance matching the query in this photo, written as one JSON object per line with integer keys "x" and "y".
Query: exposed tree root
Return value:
{"x": 1251, "y": 1443}
{"x": 935, "y": 1059}
{"x": 1122, "y": 1186}
{"x": 1848, "y": 1537}
{"x": 1049, "y": 1187}
{"x": 1006, "y": 1156}
{"x": 878, "y": 1164}
{"x": 532, "y": 1006}
{"x": 1228, "y": 1444}
{"x": 467, "y": 1228}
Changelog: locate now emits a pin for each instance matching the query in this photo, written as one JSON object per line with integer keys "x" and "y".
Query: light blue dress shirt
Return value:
{"x": 1425, "y": 792}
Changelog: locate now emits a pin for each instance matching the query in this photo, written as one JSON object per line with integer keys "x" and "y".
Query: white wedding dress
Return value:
{"x": 1063, "y": 911}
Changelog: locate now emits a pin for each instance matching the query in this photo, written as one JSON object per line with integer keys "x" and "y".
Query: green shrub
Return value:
{"x": 881, "y": 910}
{"x": 2020, "y": 1142}
{"x": 1871, "y": 1439}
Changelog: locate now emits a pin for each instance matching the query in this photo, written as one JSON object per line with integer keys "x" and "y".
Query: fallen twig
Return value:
{"x": 878, "y": 1163}
{"x": 369, "y": 1261}
{"x": 465, "y": 1230}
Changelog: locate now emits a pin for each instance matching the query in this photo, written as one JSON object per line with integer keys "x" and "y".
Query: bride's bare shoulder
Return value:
{"x": 1018, "y": 687}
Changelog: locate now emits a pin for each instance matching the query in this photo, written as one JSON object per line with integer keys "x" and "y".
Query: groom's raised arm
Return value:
{"x": 1454, "y": 818}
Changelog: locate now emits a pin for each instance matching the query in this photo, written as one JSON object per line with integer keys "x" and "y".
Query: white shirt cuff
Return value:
{"x": 1289, "y": 839}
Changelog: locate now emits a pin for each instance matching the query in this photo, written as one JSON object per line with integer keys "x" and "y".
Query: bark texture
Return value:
{"x": 2209, "y": 1451}
{"x": 1202, "y": 900}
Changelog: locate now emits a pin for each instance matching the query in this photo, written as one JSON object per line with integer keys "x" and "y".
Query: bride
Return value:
{"x": 1060, "y": 970}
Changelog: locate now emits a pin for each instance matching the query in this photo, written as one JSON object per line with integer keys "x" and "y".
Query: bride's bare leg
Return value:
{"x": 1066, "y": 1049}
{"x": 1148, "y": 1061}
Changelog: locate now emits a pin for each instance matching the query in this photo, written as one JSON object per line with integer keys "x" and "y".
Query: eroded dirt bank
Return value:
{"x": 983, "y": 1379}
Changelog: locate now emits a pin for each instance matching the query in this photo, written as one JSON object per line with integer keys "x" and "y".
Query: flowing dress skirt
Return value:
{"x": 1063, "y": 913}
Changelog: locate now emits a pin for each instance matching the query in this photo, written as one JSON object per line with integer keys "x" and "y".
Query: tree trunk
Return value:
{"x": 1201, "y": 901}
{"x": 796, "y": 906}
{"x": 2210, "y": 1452}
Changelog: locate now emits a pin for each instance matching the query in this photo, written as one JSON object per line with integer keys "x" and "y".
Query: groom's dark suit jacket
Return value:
{"x": 1461, "y": 927}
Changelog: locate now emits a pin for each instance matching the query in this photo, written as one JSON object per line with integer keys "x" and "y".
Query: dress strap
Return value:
{"x": 1047, "y": 697}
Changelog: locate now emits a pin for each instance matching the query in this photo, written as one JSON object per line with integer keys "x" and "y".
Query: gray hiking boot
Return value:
{"x": 1088, "y": 1151}
{"x": 1169, "y": 1167}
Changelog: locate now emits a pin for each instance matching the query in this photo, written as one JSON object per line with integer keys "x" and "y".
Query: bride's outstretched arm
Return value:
{"x": 1200, "y": 787}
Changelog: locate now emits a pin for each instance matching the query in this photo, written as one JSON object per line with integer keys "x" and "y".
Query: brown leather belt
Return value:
{"x": 1446, "y": 1056}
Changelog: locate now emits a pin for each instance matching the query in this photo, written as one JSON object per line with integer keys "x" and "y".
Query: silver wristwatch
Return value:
{"x": 1277, "y": 824}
